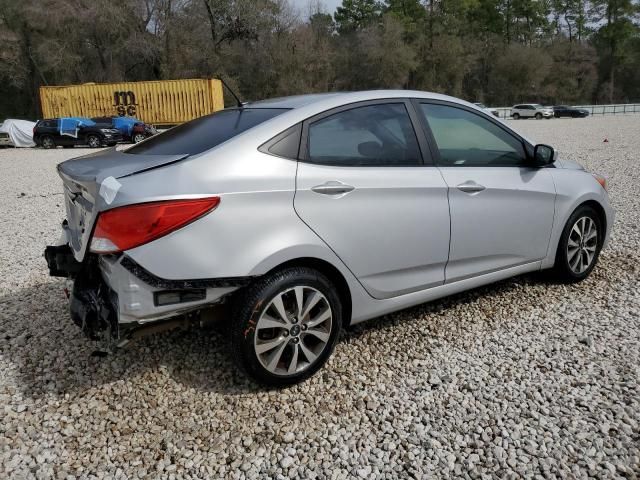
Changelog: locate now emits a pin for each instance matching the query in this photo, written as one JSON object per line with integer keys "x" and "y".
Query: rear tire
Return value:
{"x": 48, "y": 142}
{"x": 516, "y": 116}
{"x": 579, "y": 246}
{"x": 285, "y": 326}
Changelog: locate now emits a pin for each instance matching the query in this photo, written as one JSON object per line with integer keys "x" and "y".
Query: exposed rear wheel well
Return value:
{"x": 329, "y": 271}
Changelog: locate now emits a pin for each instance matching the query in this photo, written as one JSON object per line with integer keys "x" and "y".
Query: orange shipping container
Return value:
{"x": 162, "y": 102}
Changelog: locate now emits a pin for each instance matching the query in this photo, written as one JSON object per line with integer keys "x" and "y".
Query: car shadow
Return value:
{"x": 49, "y": 355}
{"x": 438, "y": 307}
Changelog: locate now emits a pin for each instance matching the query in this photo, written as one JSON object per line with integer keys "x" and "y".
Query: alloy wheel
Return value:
{"x": 47, "y": 142}
{"x": 582, "y": 245}
{"x": 293, "y": 330}
{"x": 93, "y": 141}
{"x": 138, "y": 137}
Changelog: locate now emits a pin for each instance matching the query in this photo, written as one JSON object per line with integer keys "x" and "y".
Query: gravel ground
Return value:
{"x": 520, "y": 379}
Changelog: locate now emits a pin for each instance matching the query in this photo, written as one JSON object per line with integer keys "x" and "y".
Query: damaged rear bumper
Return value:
{"x": 92, "y": 304}
{"x": 113, "y": 296}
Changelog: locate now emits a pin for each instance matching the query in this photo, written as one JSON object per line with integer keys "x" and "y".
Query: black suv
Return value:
{"x": 68, "y": 132}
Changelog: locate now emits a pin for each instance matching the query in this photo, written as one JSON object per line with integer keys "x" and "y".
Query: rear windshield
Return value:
{"x": 204, "y": 133}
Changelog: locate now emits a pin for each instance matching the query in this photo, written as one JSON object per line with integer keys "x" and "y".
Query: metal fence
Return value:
{"x": 617, "y": 109}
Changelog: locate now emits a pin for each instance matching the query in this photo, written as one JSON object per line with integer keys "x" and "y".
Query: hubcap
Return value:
{"x": 293, "y": 330}
{"x": 582, "y": 245}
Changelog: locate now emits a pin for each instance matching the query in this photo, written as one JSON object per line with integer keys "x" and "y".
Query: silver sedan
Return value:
{"x": 300, "y": 216}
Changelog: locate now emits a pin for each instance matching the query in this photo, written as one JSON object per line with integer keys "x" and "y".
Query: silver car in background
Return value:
{"x": 303, "y": 215}
{"x": 531, "y": 110}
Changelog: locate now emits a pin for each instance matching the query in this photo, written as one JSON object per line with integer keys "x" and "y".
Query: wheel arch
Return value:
{"x": 599, "y": 210}
{"x": 565, "y": 209}
{"x": 332, "y": 273}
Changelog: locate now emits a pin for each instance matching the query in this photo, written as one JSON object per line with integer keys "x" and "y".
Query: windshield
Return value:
{"x": 206, "y": 132}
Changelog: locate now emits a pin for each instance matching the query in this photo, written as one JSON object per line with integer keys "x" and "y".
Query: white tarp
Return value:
{"x": 20, "y": 132}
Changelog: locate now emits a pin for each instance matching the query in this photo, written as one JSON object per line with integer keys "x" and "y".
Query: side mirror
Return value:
{"x": 543, "y": 155}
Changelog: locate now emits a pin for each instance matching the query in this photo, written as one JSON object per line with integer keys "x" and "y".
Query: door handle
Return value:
{"x": 470, "y": 187}
{"x": 333, "y": 188}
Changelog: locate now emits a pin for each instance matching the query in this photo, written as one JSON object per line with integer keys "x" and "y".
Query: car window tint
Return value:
{"x": 373, "y": 135}
{"x": 206, "y": 132}
{"x": 287, "y": 143}
{"x": 466, "y": 139}
{"x": 103, "y": 121}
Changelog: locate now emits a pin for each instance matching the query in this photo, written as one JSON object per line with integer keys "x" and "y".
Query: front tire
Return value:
{"x": 580, "y": 245}
{"x": 285, "y": 326}
{"x": 138, "y": 137}
{"x": 538, "y": 116}
{"x": 93, "y": 141}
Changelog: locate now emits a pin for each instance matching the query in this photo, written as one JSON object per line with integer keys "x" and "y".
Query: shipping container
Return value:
{"x": 163, "y": 102}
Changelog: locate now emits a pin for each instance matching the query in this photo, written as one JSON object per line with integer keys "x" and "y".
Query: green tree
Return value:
{"x": 614, "y": 39}
{"x": 354, "y": 15}
{"x": 410, "y": 12}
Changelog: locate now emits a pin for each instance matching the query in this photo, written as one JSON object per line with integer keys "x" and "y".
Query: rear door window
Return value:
{"x": 206, "y": 132}
{"x": 372, "y": 135}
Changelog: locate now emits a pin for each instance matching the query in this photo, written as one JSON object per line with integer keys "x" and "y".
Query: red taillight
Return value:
{"x": 127, "y": 227}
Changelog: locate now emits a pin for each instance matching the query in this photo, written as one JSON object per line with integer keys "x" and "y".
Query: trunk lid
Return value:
{"x": 90, "y": 186}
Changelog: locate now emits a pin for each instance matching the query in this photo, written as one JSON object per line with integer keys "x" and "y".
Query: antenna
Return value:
{"x": 239, "y": 102}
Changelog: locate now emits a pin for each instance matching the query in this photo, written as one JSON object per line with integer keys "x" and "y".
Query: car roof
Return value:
{"x": 337, "y": 98}
{"x": 293, "y": 101}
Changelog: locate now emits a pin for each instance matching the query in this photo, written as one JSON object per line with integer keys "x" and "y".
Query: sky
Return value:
{"x": 332, "y": 4}
{"x": 303, "y": 5}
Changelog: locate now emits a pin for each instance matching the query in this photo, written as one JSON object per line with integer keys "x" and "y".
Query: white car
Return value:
{"x": 16, "y": 133}
{"x": 492, "y": 111}
{"x": 531, "y": 110}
